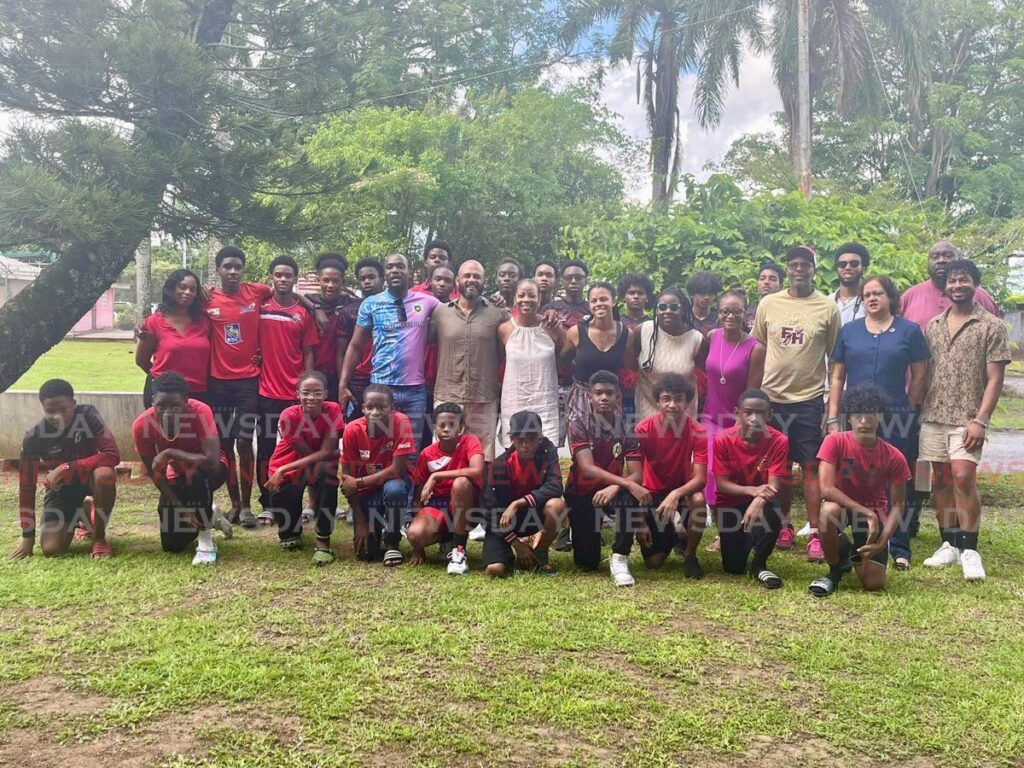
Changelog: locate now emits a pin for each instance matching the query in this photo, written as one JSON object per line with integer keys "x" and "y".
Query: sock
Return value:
{"x": 968, "y": 540}
{"x": 949, "y": 536}
{"x": 460, "y": 539}
{"x": 542, "y": 556}
{"x": 758, "y": 564}
{"x": 205, "y": 541}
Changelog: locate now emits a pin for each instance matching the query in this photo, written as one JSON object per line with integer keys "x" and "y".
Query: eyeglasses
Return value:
{"x": 318, "y": 395}
{"x": 673, "y": 307}
{"x": 400, "y": 306}
{"x": 726, "y": 312}
{"x": 847, "y": 264}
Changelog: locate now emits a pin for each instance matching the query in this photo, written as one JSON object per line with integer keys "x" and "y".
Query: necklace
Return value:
{"x": 721, "y": 351}
{"x": 868, "y": 322}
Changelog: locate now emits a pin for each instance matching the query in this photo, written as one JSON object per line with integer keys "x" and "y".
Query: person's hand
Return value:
{"x": 344, "y": 398}
{"x": 257, "y": 359}
{"x": 509, "y": 515}
{"x": 831, "y": 427}
{"x": 524, "y": 554}
{"x": 428, "y": 490}
{"x": 870, "y": 549}
{"x": 550, "y": 320}
{"x": 190, "y": 519}
{"x": 754, "y": 512}
{"x": 203, "y": 295}
{"x": 974, "y": 436}
{"x": 23, "y": 550}
{"x": 667, "y": 509}
{"x": 275, "y": 481}
{"x": 641, "y": 494}
{"x": 160, "y": 462}
{"x": 348, "y": 485}
{"x": 643, "y": 535}
{"x": 498, "y": 301}
{"x": 764, "y": 492}
{"x": 139, "y": 332}
{"x": 360, "y": 537}
{"x": 606, "y": 496}
{"x": 873, "y": 525}
{"x": 57, "y": 477}
{"x": 321, "y": 320}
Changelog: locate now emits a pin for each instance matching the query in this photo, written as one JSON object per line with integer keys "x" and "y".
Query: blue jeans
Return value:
{"x": 907, "y": 443}
{"x": 385, "y": 508}
{"x": 412, "y": 401}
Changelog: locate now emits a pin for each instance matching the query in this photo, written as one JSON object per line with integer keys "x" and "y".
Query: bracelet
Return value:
{"x": 359, "y": 484}
{"x": 832, "y": 421}
{"x": 28, "y": 534}
{"x": 979, "y": 421}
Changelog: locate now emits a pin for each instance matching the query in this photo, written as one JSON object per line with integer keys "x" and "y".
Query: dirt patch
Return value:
{"x": 800, "y": 750}
{"x": 49, "y": 697}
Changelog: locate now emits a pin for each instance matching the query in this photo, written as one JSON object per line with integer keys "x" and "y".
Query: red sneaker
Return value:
{"x": 815, "y": 554}
{"x": 785, "y": 540}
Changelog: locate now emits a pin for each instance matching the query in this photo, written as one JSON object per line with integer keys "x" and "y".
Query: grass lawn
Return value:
{"x": 268, "y": 661}
{"x": 1009, "y": 413}
{"x": 90, "y": 366}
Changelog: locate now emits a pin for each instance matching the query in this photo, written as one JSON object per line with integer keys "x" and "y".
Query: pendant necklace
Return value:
{"x": 721, "y": 351}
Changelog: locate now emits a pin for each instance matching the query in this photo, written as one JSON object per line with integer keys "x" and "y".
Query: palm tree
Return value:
{"x": 667, "y": 38}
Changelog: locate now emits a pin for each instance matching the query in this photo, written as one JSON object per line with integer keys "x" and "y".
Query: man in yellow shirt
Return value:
{"x": 798, "y": 327}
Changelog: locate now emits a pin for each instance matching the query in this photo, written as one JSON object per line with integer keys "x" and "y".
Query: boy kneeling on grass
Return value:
{"x": 306, "y": 455}
{"x": 857, "y": 469}
{"x": 523, "y": 498}
{"x": 375, "y": 451}
{"x": 751, "y": 464}
{"x": 674, "y": 449}
{"x": 178, "y": 442}
{"x": 77, "y": 453}
{"x": 449, "y": 477}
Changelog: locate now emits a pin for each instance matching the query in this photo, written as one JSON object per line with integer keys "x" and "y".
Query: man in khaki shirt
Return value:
{"x": 468, "y": 355}
{"x": 970, "y": 349}
{"x": 798, "y": 327}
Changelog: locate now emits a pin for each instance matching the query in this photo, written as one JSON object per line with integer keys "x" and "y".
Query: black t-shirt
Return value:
{"x": 78, "y": 440}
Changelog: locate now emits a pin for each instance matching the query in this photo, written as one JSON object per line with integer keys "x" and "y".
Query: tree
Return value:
{"x": 666, "y": 39}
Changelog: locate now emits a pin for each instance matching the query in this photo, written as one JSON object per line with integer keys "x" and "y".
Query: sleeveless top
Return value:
{"x": 531, "y": 379}
{"x": 732, "y": 364}
{"x": 672, "y": 354}
{"x": 590, "y": 359}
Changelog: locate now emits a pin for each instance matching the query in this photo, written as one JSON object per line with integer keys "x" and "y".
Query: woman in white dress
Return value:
{"x": 668, "y": 344}
{"x": 531, "y": 354}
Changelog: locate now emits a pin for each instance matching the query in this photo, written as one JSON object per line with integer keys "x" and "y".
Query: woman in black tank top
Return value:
{"x": 583, "y": 347}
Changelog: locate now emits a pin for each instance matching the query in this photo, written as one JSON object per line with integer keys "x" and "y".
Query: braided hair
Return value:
{"x": 687, "y": 312}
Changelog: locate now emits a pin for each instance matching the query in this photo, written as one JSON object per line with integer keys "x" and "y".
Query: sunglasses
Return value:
{"x": 726, "y": 312}
{"x": 847, "y": 264}
{"x": 400, "y": 306}
{"x": 673, "y": 307}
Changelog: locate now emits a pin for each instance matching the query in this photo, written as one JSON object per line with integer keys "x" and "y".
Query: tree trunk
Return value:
{"x": 803, "y": 122}
{"x": 664, "y": 124}
{"x": 213, "y": 244}
{"x": 143, "y": 276}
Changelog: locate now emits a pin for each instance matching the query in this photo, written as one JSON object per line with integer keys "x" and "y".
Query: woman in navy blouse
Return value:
{"x": 886, "y": 351}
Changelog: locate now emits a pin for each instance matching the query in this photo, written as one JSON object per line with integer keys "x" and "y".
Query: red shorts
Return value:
{"x": 438, "y": 510}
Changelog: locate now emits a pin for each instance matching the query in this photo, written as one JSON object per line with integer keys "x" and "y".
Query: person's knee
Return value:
{"x": 965, "y": 480}
{"x": 104, "y": 478}
{"x": 462, "y": 488}
{"x": 52, "y": 546}
{"x": 698, "y": 502}
{"x": 419, "y": 534}
{"x": 395, "y": 493}
{"x": 497, "y": 570}
{"x": 656, "y": 560}
{"x": 175, "y": 545}
{"x": 873, "y": 582}
{"x": 830, "y": 511}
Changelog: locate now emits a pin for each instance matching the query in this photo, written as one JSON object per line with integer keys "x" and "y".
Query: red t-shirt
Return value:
{"x": 610, "y": 454}
{"x": 749, "y": 465}
{"x": 295, "y": 427}
{"x": 284, "y": 333}
{"x": 425, "y": 288}
{"x": 195, "y": 425}
{"x": 234, "y": 330}
{"x": 187, "y": 353}
{"x": 432, "y": 459}
{"x": 669, "y": 454}
{"x": 368, "y": 455}
{"x": 864, "y": 474}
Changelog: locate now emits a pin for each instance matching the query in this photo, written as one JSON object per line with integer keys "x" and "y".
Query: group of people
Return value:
{"x": 439, "y": 407}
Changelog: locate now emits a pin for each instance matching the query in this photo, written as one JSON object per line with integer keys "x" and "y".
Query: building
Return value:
{"x": 16, "y": 275}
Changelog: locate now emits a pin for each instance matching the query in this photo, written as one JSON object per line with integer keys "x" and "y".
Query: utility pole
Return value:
{"x": 803, "y": 75}
{"x": 143, "y": 270}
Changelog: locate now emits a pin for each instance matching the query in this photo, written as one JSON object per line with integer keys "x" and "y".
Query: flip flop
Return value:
{"x": 902, "y": 564}
{"x": 323, "y": 556}
{"x": 101, "y": 550}
{"x": 822, "y": 587}
{"x": 769, "y": 580}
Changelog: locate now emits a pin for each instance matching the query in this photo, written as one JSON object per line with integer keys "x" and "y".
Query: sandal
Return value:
{"x": 768, "y": 579}
{"x": 714, "y": 546}
{"x": 291, "y": 545}
{"x": 902, "y": 563}
{"x": 392, "y": 558}
{"x": 323, "y": 556}
{"x": 101, "y": 550}
{"x": 822, "y": 587}
{"x": 266, "y": 517}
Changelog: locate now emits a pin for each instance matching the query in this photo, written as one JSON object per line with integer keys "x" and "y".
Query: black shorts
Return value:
{"x": 801, "y": 423}
{"x": 235, "y": 404}
{"x": 496, "y": 549}
{"x": 64, "y": 506}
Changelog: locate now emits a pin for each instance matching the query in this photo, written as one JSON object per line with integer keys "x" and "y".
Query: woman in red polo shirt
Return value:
{"x": 176, "y": 337}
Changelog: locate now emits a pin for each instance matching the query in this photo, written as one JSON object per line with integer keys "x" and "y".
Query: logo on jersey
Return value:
{"x": 213, "y": 311}
{"x": 417, "y": 308}
{"x": 617, "y": 450}
{"x": 792, "y": 337}
{"x": 247, "y": 309}
{"x": 403, "y": 446}
{"x": 390, "y": 445}
{"x": 364, "y": 455}
{"x": 232, "y": 333}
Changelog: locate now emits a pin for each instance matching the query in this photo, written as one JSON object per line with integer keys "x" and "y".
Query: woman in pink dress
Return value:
{"x": 735, "y": 362}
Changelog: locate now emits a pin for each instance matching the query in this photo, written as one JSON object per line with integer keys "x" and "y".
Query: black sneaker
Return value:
{"x": 562, "y": 542}
{"x": 692, "y": 569}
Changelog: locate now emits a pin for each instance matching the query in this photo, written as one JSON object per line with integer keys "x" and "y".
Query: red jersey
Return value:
{"x": 368, "y": 455}
{"x": 425, "y": 288}
{"x": 432, "y": 459}
{"x": 325, "y": 357}
{"x": 295, "y": 427}
{"x": 284, "y": 333}
{"x": 749, "y": 464}
{"x": 670, "y": 454}
{"x": 187, "y": 353}
{"x": 610, "y": 450}
{"x": 193, "y": 426}
{"x": 865, "y": 474}
{"x": 234, "y": 330}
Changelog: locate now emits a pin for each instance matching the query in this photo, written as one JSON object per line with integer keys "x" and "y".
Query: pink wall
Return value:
{"x": 101, "y": 317}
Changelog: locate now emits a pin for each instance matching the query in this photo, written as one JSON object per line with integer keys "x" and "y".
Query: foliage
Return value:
{"x": 717, "y": 228}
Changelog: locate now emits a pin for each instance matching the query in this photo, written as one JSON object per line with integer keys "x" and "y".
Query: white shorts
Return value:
{"x": 944, "y": 443}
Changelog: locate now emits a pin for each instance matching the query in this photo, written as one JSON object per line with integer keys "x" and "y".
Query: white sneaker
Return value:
{"x": 457, "y": 565}
{"x": 477, "y": 534}
{"x": 619, "y": 566}
{"x": 205, "y": 557}
{"x": 806, "y": 531}
{"x": 970, "y": 560}
{"x": 307, "y": 515}
{"x": 944, "y": 556}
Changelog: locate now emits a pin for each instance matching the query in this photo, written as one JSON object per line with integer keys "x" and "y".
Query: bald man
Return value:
{"x": 468, "y": 354}
{"x": 922, "y": 302}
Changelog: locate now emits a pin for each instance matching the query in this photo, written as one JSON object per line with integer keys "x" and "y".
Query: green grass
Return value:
{"x": 267, "y": 661}
{"x": 90, "y": 366}
{"x": 1009, "y": 413}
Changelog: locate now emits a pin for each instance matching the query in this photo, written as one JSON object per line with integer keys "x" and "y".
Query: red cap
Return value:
{"x": 802, "y": 251}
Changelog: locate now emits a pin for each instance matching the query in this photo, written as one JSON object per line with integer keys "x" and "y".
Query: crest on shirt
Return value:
{"x": 364, "y": 455}
{"x": 213, "y": 311}
{"x": 617, "y": 450}
{"x": 791, "y": 336}
{"x": 248, "y": 308}
{"x": 417, "y": 308}
{"x": 232, "y": 333}
{"x": 391, "y": 445}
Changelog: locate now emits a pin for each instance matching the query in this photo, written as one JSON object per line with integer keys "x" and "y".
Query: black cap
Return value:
{"x": 524, "y": 423}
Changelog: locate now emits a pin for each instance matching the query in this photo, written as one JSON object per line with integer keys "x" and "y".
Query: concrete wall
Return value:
{"x": 1015, "y": 320}
{"x": 19, "y": 411}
